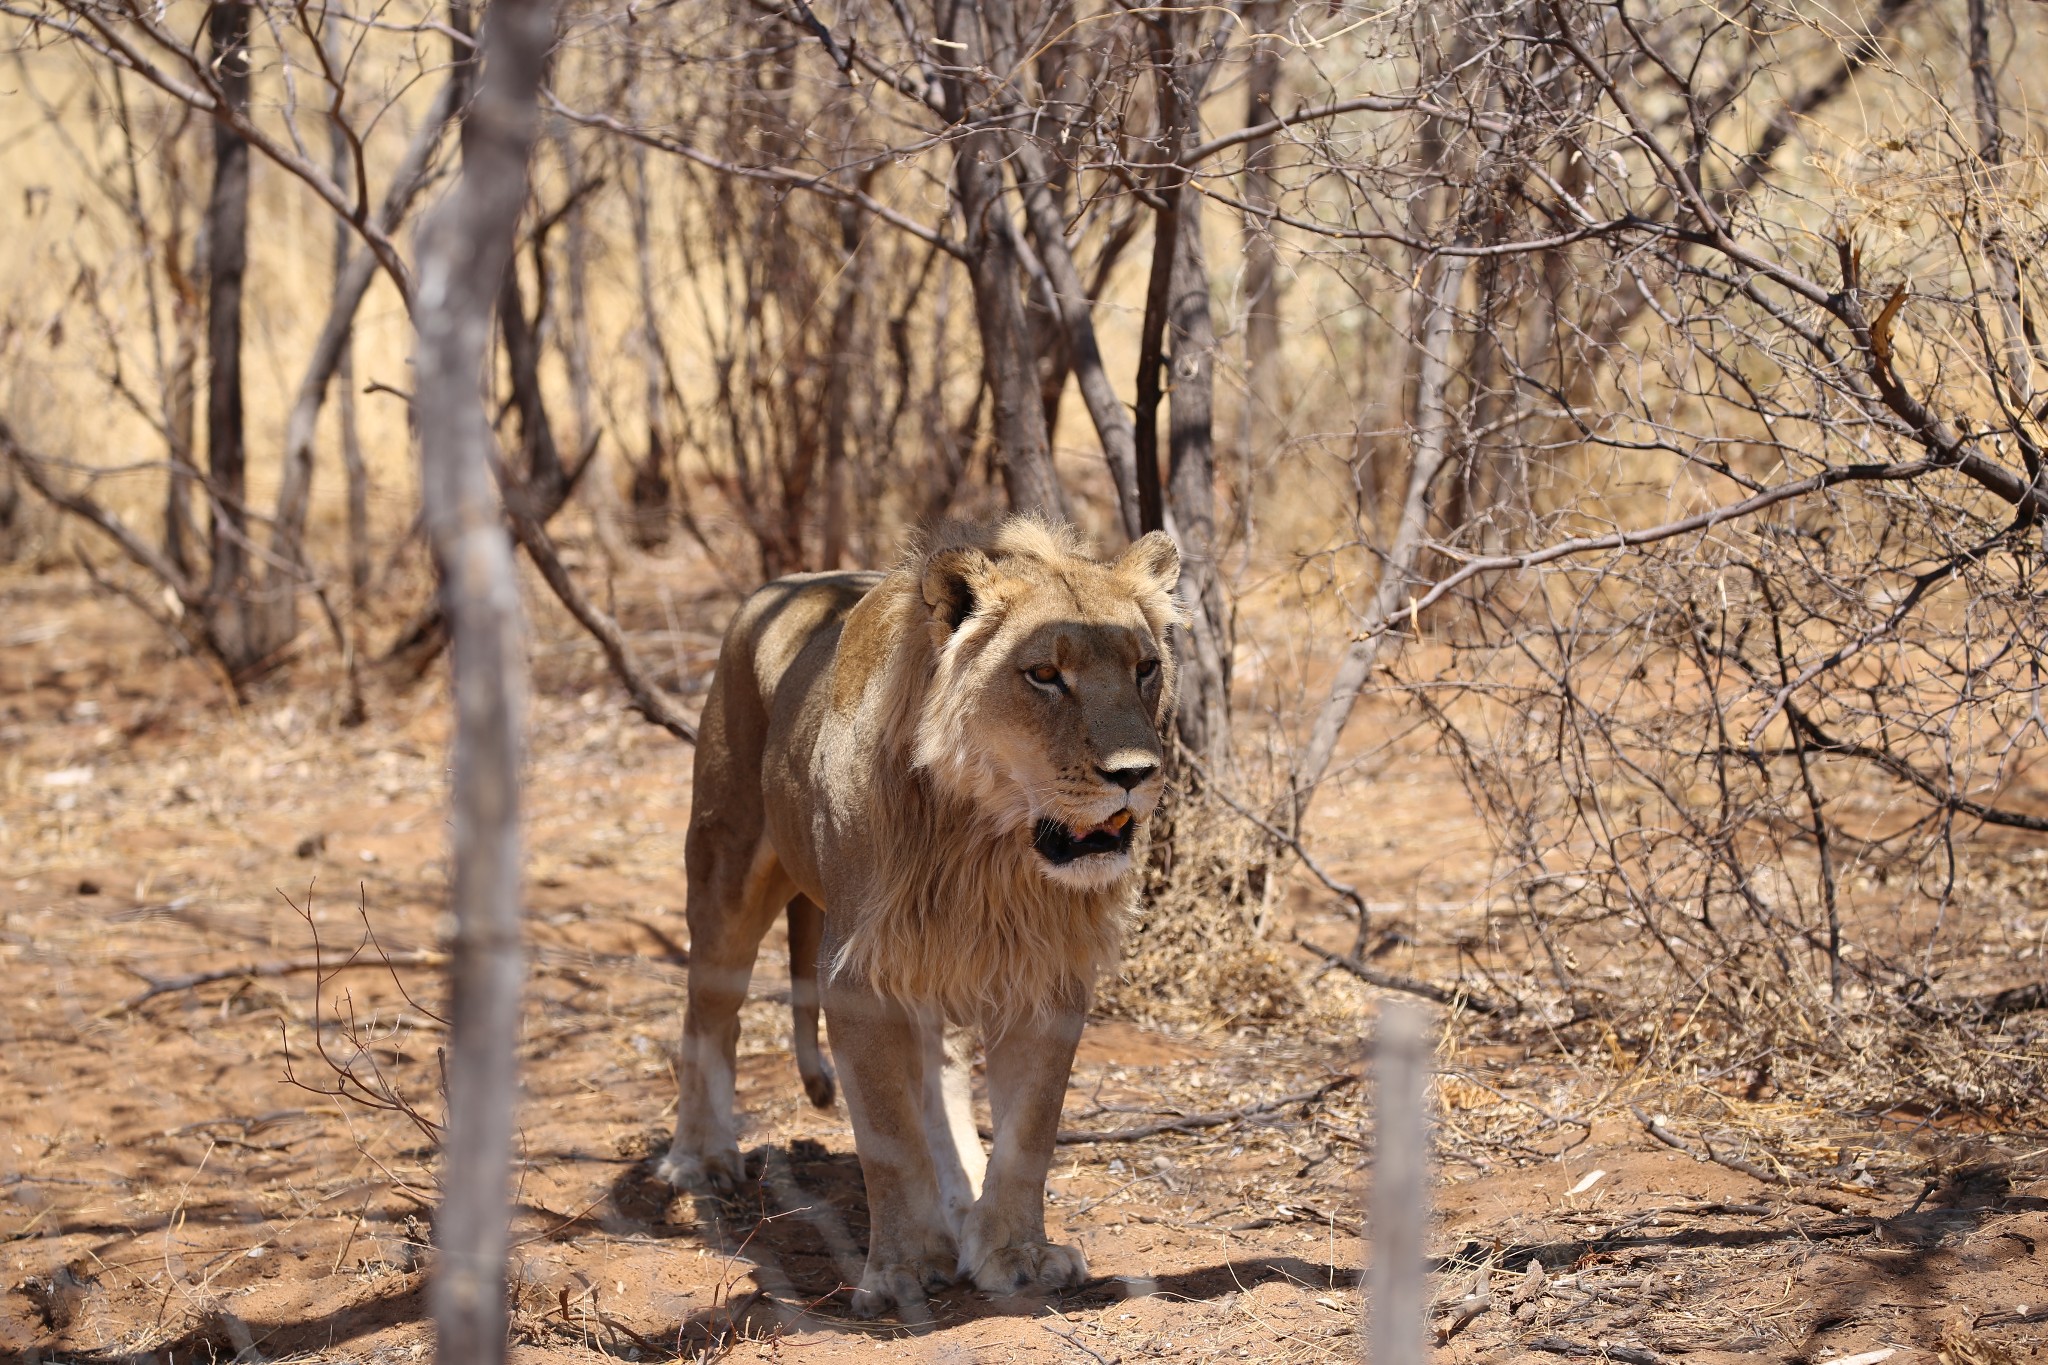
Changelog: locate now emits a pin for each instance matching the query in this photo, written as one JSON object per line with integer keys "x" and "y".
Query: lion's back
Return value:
{"x": 780, "y": 637}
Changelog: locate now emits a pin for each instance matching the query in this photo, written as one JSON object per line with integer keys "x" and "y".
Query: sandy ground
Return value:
{"x": 181, "y": 1181}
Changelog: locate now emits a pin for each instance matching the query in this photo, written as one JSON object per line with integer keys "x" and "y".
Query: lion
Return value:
{"x": 945, "y": 775}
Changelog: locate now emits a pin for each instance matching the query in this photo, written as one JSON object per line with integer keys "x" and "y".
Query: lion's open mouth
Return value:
{"x": 1059, "y": 845}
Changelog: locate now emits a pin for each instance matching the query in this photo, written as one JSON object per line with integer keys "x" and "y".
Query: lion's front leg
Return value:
{"x": 881, "y": 1069}
{"x": 1004, "y": 1248}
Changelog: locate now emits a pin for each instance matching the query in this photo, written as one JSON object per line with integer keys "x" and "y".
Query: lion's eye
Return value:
{"x": 1045, "y": 675}
{"x": 1146, "y": 668}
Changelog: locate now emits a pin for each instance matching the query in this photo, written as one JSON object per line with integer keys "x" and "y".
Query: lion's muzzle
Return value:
{"x": 1060, "y": 845}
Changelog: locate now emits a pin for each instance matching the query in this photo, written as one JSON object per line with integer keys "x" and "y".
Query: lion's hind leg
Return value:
{"x": 806, "y": 932}
{"x": 732, "y": 902}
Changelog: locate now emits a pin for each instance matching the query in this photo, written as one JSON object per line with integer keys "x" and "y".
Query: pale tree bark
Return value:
{"x": 465, "y": 252}
{"x": 1112, "y": 420}
{"x": 332, "y": 354}
{"x": 1397, "y": 582}
{"x": 355, "y": 474}
{"x": 1397, "y": 1220}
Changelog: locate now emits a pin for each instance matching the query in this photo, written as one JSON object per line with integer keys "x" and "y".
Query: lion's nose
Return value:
{"x": 1130, "y": 777}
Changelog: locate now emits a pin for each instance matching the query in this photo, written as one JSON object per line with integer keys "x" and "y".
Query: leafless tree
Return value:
{"x": 465, "y": 259}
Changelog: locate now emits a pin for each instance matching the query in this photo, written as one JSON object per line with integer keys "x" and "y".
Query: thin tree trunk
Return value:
{"x": 1263, "y": 420}
{"x": 1179, "y": 330}
{"x": 1397, "y": 1281}
{"x": 1203, "y": 717}
{"x": 164, "y": 243}
{"x": 996, "y": 273}
{"x": 838, "y": 397}
{"x": 1411, "y": 535}
{"x": 1113, "y": 424}
{"x": 2005, "y": 275}
{"x": 650, "y": 497}
{"x": 600, "y": 488}
{"x": 543, "y": 476}
{"x": 466, "y": 252}
{"x": 228, "y": 616}
{"x": 355, "y": 271}
{"x": 1151, "y": 361}
{"x": 1006, "y": 353}
{"x": 355, "y": 475}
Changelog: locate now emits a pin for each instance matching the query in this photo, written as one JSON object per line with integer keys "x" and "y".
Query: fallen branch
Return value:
{"x": 1190, "y": 1123}
{"x": 1408, "y": 985}
{"x": 259, "y": 970}
{"x": 1656, "y": 1129}
{"x": 1801, "y": 1189}
{"x": 1462, "y": 1313}
{"x": 1628, "y": 1355}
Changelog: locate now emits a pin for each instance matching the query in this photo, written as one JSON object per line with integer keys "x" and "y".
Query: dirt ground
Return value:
{"x": 180, "y": 1181}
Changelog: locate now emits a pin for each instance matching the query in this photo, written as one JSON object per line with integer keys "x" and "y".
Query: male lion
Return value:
{"x": 955, "y": 762}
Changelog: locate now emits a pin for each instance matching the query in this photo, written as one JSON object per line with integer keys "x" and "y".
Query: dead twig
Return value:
{"x": 1408, "y": 985}
{"x": 170, "y": 985}
{"x": 1190, "y": 1123}
{"x": 1628, "y": 1355}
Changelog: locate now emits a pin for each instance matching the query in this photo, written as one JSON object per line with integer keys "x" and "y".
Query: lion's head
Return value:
{"x": 1050, "y": 689}
{"x": 1026, "y": 690}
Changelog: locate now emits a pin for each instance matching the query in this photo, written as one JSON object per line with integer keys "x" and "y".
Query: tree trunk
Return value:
{"x": 2005, "y": 274}
{"x": 996, "y": 273}
{"x": 1006, "y": 352}
{"x": 650, "y": 496}
{"x": 543, "y": 478}
{"x": 1263, "y": 422}
{"x": 229, "y": 610}
{"x": 181, "y": 392}
{"x": 1203, "y": 718}
{"x": 355, "y": 475}
{"x": 1411, "y": 535}
{"x": 1113, "y": 423}
{"x": 354, "y": 272}
{"x": 465, "y": 256}
{"x": 1179, "y": 331}
{"x": 838, "y": 396}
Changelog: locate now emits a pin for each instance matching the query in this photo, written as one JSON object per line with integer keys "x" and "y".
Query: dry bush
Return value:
{"x": 1201, "y": 949}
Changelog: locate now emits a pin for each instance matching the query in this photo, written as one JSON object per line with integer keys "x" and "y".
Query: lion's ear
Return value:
{"x": 1156, "y": 557}
{"x": 949, "y": 580}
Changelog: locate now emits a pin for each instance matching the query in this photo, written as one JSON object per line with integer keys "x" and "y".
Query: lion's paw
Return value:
{"x": 1030, "y": 1265}
{"x": 902, "y": 1284}
{"x": 719, "y": 1172}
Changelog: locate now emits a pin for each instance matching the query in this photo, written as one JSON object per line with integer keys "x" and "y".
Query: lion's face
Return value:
{"x": 1052, "y": 687}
